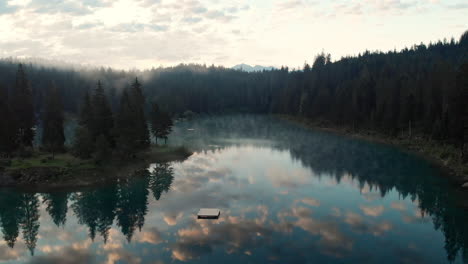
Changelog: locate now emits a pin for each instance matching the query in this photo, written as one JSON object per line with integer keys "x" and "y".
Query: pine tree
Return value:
{"x": 137, "y": 105}
{"x": 85, "y": 115}
{"x": 102, "y": 121}
{"x": 83, "y": 144}
{"x": 53, "y": 136}
{"x": 127, "y": 135}
{"x": 409, "y": 114}
{"x": 7, "y": 129}
{"x": 462, "y": 85}
{"x": 23, "y": 109}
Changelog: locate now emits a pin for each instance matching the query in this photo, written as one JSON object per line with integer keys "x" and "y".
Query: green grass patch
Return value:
{"x": 44, "y": 160}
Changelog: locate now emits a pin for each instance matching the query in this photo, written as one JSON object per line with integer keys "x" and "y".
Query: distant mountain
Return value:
{"x": 248, "y": 68}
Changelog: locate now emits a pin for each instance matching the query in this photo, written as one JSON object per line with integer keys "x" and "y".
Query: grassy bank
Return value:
{"x": 45, "y": 160}
{"x": 41, "y": 171}
{"x": 445, "y": 156}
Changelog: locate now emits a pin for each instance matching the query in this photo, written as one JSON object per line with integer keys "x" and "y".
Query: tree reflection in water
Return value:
{"x": 125, "y": 203}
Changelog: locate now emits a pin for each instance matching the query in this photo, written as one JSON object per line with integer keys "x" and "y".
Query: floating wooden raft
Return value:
{"x": 209, "y": 213}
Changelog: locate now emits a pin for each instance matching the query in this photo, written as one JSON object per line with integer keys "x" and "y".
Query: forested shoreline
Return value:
{"x": 101, "y": 131}
{"x": 420, "y": 90}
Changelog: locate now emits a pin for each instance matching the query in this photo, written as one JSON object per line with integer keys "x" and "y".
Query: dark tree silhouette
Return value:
{"x": 132, "y": 204}
{"x": 161, "y": 123}
{"x": 83, "y": 145}
{"x": 57, "y": 206}
{"x": 22, "y": 106}
{"x": 7, "y": 130}
{"x": 103, "y": 149}
{"x": 53, "y": 136}
{"x": 102, "y": 121}
{"x": 462, "y": 85}
{"x": 161, "y": 179}
{"x": 10, "y": 216}
{"x": 137, "y": 101}
{"x": 128, "y": 137}
{"x": 30, "y": 220}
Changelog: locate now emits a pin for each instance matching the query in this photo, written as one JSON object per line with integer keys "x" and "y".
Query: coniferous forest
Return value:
{"x": 418, "y": 90}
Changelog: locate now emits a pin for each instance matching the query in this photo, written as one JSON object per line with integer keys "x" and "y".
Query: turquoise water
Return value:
{"x": 286, "y": 195}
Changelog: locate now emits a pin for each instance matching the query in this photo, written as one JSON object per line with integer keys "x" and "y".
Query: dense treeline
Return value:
{"x": 418, "y": 90}
{"x": 100, "y": 132}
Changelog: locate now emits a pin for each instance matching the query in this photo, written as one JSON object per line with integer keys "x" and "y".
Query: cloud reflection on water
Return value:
{"x": 280, "y": 202}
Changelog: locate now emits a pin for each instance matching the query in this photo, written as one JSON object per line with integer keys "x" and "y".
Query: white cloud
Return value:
{"x": 145, "y": 33}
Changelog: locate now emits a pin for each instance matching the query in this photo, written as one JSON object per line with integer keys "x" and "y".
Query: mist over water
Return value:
{"x": 286, "y": 194}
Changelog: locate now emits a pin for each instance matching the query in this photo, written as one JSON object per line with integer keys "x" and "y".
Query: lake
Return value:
{"x": 287, "y": 194}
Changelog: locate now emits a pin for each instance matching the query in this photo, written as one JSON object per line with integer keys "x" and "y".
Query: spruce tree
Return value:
{"x": 85, "y": 115}
{"x": 127, "y": 135}
{"x": 83, "y": 144}
{"x": 462, "y": 85}
{"x": 137, "y": 105}
{"x": 53, "y": 136}
{"x": 7, "y": 129}
{"x": 102, "y": 121}
{"x": 22, "y": 107}
{"x": 409, "y": 113}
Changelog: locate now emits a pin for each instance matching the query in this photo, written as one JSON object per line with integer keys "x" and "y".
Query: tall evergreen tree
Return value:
{"x": 127, "y": 135}
{"x": 86, "y": 112}
{"x": 409, "y": 113}
{"x": 137, "y": 107}
{"x": 7, "y": 130}
{"x": 83, "y": 144}
{"x": 462, "y": 85}
{"x": 102, "y": 121}
{"x": 53, "y": 136}
{"x": 22, "y": 106}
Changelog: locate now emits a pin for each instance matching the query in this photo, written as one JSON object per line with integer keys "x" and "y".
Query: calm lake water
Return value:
{"x": 286, "y": 194}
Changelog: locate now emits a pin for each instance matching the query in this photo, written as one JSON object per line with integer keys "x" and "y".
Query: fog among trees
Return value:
{"x": 419, "y": 90}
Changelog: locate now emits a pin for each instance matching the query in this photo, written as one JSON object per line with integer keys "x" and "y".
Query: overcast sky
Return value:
{"x": 145, "y": 33}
